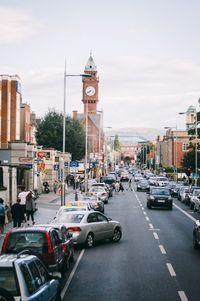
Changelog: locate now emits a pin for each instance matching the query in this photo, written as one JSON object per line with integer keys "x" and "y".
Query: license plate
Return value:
{"x": 161, "y": 201}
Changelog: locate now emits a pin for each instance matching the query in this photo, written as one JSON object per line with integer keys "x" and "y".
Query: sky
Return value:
{"x": 147, "y": 54}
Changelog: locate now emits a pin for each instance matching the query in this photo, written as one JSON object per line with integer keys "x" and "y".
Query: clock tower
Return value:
{"x": 90, "y": 87}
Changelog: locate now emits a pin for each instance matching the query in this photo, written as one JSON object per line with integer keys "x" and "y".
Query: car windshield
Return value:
{"x": 160, "y": 191}
{"x": 7, "y": 280}
{"x": 69, "y": 218}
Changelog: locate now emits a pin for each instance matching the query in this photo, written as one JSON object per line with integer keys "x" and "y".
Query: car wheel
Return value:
{"x": 89, "y": 240}
{"x": 170, "y": 207}
{"x": 117, "y": 235}
{"x": 5, "y": 295}
{"x": 195, "y": 244}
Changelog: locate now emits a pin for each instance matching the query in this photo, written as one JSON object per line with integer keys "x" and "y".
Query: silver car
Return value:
{"x": 87, "y": 227}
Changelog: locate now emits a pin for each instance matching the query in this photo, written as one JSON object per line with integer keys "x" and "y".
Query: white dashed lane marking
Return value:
{"x": 155, "y": 235}
{"x": 162, "y": 249}
{"x": 171, "y": 270}
{"x": 147, "y": 218}
{"x": 151, "y": 226}
{"x": 182, "y": 295}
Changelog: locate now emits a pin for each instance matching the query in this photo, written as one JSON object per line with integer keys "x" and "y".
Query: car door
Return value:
{"x": 39, "y": 289}
{"x": 105, "y": 227}
{"x": 49, "y": 286}
{"x": 93, "y": 225}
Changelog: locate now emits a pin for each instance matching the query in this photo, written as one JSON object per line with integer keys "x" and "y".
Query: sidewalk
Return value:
{"x": 45, "y": 198}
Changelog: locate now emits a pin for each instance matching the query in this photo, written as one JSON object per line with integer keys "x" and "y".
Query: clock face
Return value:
{"x": 90, "y": 90}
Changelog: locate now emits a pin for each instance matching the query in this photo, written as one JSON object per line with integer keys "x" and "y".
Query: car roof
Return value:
{"x": 34, "y": 228}
{"x": 6, "y": 260}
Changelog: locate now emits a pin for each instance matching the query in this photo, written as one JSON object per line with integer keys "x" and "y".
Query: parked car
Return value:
{"x": 44, "y": 241}
{"x": 159, "y": 197}
{"x": 194, "y": 198}
{"x": 87, "y": 227}
{"x": 196, "y": 235}
{"x": 142, "y": 185}
{"x": 183, "y": 193}
{"x": 24, "y": 277}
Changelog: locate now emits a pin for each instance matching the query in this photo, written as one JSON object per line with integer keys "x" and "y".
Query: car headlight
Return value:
{"x": 138, "y": 185}
{"x": 152, "y": 198}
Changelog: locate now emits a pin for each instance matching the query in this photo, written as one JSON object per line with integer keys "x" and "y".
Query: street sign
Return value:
{"x": 66, "y": 164}
{"x": 74, "y": 163}
{"x": 73, "y": 169}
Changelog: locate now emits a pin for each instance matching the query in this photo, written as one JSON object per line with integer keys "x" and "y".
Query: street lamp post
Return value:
{"x": 64, "y": 132}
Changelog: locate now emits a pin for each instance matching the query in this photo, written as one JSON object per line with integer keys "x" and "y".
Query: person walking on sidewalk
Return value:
{"x": 22, "y": 195}
{"x": 17, "y": 211}
{"x": 30, "y": 208}
{"x": 2, "y": 216}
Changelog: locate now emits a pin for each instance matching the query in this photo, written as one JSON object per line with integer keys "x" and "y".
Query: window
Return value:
{"x": 36, "y": 275}
{"x": 43, "y": 272}
{"x": 28, "y": 279}
{"x": 185, "y": 147}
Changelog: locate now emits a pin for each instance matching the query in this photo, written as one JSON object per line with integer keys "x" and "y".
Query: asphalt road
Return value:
{"x": 154, "y": 261}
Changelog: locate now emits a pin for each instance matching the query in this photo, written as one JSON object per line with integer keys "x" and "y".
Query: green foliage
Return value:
{"x": 50, "y": 134}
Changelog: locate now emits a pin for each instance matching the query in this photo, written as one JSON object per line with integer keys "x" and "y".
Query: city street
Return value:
{"x": 154, "y": 260}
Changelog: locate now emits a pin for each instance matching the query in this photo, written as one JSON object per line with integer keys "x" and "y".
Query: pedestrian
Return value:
{"x": 55, "y": 186}
{"x": 121, "y": 187}
{"x": 17, "y": 211}
{"x": 30, "y": 208}
{"x": 22, "y": 195}
{"x": 129, "y": 184}
{"x": 2, "y": 216}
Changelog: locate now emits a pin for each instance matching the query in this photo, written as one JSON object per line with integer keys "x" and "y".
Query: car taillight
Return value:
{"x": 5, "y": 243}
{"x": 74, "y": 229}
{"x": 49, "y": 243}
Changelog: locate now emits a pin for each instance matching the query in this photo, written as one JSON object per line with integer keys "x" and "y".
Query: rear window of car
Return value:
{"x": 160, "y": 191}
{"x": 69, "y": 218}
{"x": 22, "y": 240}
{"x": 8, "y": 281}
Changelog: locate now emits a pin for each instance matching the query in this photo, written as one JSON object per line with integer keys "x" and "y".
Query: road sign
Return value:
{"x": 74, "y": 163}
{"x": 73, "y": 169}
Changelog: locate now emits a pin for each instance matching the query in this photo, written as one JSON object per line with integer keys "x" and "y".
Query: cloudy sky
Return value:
{"x": 147, "y": 54}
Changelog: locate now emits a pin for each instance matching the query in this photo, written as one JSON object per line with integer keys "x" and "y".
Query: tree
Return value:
{"x": 116, "y": 143}
{"x": 50, "y": 134}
